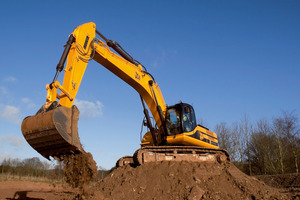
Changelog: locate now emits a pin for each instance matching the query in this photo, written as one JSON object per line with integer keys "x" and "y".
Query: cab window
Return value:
{"x": 173, "y": 122}
{"x": 188, "y": 119}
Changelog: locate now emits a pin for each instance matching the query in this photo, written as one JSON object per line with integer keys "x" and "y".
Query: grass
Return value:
{"x": 10, "y": 177}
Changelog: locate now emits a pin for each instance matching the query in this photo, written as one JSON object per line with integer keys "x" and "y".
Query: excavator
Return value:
{"x": 173, "y": 133}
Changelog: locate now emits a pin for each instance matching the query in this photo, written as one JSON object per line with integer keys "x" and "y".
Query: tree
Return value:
{"x": 229, "y": 139}
{"x": 261, "y": 149}
{"x": 286, "y": 129}
{"x": 274, "y": 148}
{"x": 224, "y": 137}
{"x": 245, "y": 129}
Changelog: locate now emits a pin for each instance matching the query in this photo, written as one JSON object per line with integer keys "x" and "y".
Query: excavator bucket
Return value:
{"x": 53, "y": 133}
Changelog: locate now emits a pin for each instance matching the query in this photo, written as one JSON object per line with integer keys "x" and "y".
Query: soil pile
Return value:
{"x": 184, "y": 180}
{"x": 79, "y": 170}
{"x": 281, "y": 180}
{"x": 166, "y": 180}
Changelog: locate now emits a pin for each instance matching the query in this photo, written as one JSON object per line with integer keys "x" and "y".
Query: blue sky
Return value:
{"x": 226, "y": 58}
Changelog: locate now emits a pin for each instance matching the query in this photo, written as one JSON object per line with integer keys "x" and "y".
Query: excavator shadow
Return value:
{"x": 22, "y": 195}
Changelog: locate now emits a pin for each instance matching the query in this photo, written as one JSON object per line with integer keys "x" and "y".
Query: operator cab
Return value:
{"x": 180, "y": 118}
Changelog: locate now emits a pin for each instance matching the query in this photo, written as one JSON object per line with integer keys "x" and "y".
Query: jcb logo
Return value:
{"x": 137, "y": 76}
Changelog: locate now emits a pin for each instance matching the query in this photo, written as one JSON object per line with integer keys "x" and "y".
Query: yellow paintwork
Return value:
{"x": 78, "y": 59}
{"x": 207, "y": 139}
{"x": 185, "y": 139}
{"x": 133, "y": 75}
{"x": 51, "y": 95}
{"x": 77, "y": 62}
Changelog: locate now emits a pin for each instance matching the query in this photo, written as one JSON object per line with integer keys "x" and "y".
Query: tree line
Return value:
{"x": 34, "y": 167}
{"x": 263, "y": 147}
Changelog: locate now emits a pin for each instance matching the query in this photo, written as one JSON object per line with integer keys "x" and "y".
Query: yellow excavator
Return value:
{"x": 175, "y": 135}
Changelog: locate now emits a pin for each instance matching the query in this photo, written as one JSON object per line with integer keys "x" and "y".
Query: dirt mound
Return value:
{"x": 166, "y": 180}
{"x": 184, "y": 180}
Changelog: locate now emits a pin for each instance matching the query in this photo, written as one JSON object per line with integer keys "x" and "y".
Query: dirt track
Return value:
{"x": 32, "y": 191}
{"x": 166, "y": 180}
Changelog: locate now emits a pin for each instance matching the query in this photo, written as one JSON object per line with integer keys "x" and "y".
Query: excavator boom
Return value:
{"x": 53, "y": 130}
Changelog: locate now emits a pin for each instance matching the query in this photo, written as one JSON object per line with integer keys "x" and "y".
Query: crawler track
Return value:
{"x": 174, "y": 153}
